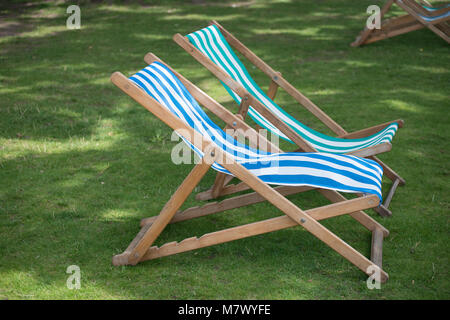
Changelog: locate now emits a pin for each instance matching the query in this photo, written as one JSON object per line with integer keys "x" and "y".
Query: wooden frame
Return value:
{"x": 277, "y": 80}
{"x": 141, "y": 249}
{"x": 406, "y": 23}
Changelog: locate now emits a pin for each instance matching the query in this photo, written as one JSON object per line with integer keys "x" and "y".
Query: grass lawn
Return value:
{"x": 81, "y": 163}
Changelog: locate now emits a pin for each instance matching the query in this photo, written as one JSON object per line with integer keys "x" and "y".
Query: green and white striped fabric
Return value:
{"x": 212, "y": 44}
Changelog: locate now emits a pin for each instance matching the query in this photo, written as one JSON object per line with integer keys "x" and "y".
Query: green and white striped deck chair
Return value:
{"x": 211, "y": 47}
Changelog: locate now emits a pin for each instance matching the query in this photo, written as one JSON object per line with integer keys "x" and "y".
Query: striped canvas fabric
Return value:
{"x": 337, "y": 172}
{"x": 212, "y": 43}
{"x": 434, "y": 9}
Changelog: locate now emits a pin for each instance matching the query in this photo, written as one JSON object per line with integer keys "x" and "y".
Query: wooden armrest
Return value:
{"x": 369, "y": 131}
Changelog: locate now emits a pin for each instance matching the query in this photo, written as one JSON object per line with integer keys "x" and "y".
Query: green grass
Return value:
{"x": 81, "y": 163}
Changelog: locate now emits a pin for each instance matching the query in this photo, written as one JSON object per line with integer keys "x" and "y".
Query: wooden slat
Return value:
{"x": 360, "y": 216}
{"x": 395, "y": 32}
{"x": 218, "y": 184}
{"x": 363, "y": 36}
{"x": 369, "y": 131}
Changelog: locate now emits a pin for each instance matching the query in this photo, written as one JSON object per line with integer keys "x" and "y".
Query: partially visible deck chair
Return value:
{"x": 173, "y": 99}
{"x": 211, "y": 47}
{"x": 417, "y": 16}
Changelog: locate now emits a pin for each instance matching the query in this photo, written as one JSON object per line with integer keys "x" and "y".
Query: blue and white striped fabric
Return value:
{"x": 213, "y": 45}
{"x": 329, "y": 171}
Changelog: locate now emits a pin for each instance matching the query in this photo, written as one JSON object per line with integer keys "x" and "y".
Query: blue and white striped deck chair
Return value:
{"x": 211, "y": 48}
{"x": 165, "y": 93}
{"x": 417, "y": 16}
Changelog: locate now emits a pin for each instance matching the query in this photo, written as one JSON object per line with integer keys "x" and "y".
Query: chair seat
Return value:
{"x": 213, "y": 44}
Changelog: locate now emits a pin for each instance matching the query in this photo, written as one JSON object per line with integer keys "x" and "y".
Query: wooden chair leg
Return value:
{"x": 395, "y": 32}
{"x": 373, "y": 150}
{"x": 362, "y": 37}
{"x": 383, "y": 209}
{"x": 148, "y": 234}
{"x": 218, "y": 184}
{"x": 249, "y": 230}
{"x": 376, "y": 254}
{"x": 299, "y": 216}
{"x": 391, "y": 193}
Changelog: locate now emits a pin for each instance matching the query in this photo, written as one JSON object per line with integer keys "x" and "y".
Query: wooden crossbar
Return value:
{"x": 406, "y": 23}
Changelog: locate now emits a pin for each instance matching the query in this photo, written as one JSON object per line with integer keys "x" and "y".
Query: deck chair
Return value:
{"x": 417, "y": 16}
{"x": 270, "y": 173}
{"x": 211, "y": 47}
